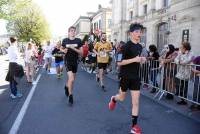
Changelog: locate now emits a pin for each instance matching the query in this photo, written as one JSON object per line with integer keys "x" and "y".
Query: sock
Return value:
{"x": 113, "y": 99}
{"x": 134, "y": 120}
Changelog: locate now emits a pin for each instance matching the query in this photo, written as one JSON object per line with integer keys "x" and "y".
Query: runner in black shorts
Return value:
{"x": 129, "y": 61}
{"x": 72, "y": 47}
{"x": 102, "y": 49}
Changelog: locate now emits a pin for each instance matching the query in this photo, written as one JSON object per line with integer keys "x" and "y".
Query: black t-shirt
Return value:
{"x": 39, "y": 50}
{"x": 58, "y": 55}
{"x": 71, "y": 57}
{"x": 130, "y": 50}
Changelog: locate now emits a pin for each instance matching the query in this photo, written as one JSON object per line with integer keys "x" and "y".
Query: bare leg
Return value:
{"x": 135, "y": 95}
{"x": 120, "y": 96}
{"x": 70, "y": 81}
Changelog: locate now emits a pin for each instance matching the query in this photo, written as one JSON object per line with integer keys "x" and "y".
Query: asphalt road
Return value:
{"x": 49, "y": 112}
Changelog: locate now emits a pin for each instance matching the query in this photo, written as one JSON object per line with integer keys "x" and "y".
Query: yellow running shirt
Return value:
{"x": 102, "y": 49}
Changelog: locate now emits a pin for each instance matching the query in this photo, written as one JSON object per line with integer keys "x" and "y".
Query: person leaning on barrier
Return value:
{"x": 196, "y": 92}
{"x": 169, "y": 70}
{"x": 183, "y": 71}
{"x": 154, "y": 65}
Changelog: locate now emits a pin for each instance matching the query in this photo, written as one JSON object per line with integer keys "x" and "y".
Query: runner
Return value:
{"x": 102, "y": 50}
{"x": 85, "y": 52}
{"x": 72, "y": 47}
{"x": 29, "y": 59}
{"x": 48, "y": 56}
{"x": 59, "y": 62}
{"x": 130, "y": 61}
{"x": 40, "y": 55}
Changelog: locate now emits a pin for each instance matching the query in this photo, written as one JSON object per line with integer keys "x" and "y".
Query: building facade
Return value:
{"x": 165, "y": 21}
{"x": 82, "y": 26}
{"x": 101, "y": 21}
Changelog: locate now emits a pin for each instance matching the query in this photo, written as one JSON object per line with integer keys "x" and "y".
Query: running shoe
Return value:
{"x": 71, "y": 99}
{"x": 136, "y": 130}
{"x": 112, "y": 103}
{"x": 13, "y": 96}
{"x": 19, "y": 95}
{"x": 97, "y": 78}
{"x": 103, "y": 88}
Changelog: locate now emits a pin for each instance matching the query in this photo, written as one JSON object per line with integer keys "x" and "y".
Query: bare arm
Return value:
{"x": 95, "y": 52}
{"x": 132, "y": 60}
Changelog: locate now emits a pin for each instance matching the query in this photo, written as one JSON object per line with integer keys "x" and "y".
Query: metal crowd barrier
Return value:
{"x": 172, "y": 78}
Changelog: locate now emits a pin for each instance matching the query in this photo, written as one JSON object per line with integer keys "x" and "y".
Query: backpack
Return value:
{"x": 85, "y": 51}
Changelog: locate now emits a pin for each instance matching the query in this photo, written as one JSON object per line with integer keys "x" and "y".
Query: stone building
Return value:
{"x": 165, "y": 21}
{"x": 82, "y": 26}
{"x": 102, "y": 20}
{"x": 95, "y": 21}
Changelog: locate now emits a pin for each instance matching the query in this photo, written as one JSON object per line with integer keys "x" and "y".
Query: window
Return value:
{"x": 143, "y": 38}
{"x": 165, "y": 3}
{"x": 109, "y": 23}
{"x": 78, "y": 28}
{"x": 145, "y": 9}
{"x": 131, "y": 15}
{"x": 95, "y": 26}
{"x": 99, "y": 24}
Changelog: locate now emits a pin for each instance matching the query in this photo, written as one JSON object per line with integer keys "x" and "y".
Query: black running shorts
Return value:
{"x": 102, "y": 65}
{"x": 72, "y": 68}
{"x": 131, "y": 84}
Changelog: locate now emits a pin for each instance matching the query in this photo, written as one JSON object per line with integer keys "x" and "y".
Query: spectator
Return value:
{"x": 14, "y": 70}
{"x": 183, "y": 71}
{"x": 154, "y": 64}
{"x": 196, "y": 92}
{"x": 169, "y": 69}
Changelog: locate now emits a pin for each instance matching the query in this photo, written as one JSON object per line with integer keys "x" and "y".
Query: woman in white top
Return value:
{"x": 14, "y": 70}
{"x": 29, "y": 62}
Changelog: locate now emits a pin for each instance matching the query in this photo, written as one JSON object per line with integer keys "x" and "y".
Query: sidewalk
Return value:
{"x": 184, "y": 110}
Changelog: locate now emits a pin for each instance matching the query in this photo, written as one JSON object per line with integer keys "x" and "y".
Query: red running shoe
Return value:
{"x": 136, "y": 130}
{"x": 112, "y": 104}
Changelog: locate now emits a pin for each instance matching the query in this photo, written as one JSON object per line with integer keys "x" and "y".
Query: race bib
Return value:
{"x": 71, "y": 45}
{"x": 102, "y": 54}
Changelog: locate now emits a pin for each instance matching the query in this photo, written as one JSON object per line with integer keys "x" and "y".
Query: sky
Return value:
{"x": 2, "y": 27}
{"x": 61, "y": 14}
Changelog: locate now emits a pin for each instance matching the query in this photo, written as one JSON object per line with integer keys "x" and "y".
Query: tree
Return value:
{"x": 29, "y": 23}
{"x": 5, "y": 8}
{"x": 9, "y": 8}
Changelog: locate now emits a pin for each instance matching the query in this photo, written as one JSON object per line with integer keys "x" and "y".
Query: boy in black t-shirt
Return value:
{"x": 72, "y": 47}
{"x": 129, "y": 61}
{"x": 59, "y": 62}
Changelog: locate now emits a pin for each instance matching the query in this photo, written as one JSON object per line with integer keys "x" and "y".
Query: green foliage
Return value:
{"x": 28, "y": 23}
{"x": 5, "y": 8}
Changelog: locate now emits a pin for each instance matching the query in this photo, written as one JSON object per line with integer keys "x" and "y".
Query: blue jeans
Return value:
{"x": 153, "y": 75}
{"x": 196, "y": 93}
{"x": 13, "y": 87}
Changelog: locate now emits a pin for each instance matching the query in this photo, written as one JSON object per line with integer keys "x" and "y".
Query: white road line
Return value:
{"x": 17, "y": 123}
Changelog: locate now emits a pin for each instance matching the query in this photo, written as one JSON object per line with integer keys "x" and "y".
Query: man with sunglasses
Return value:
{"x": 129, "y": 61}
